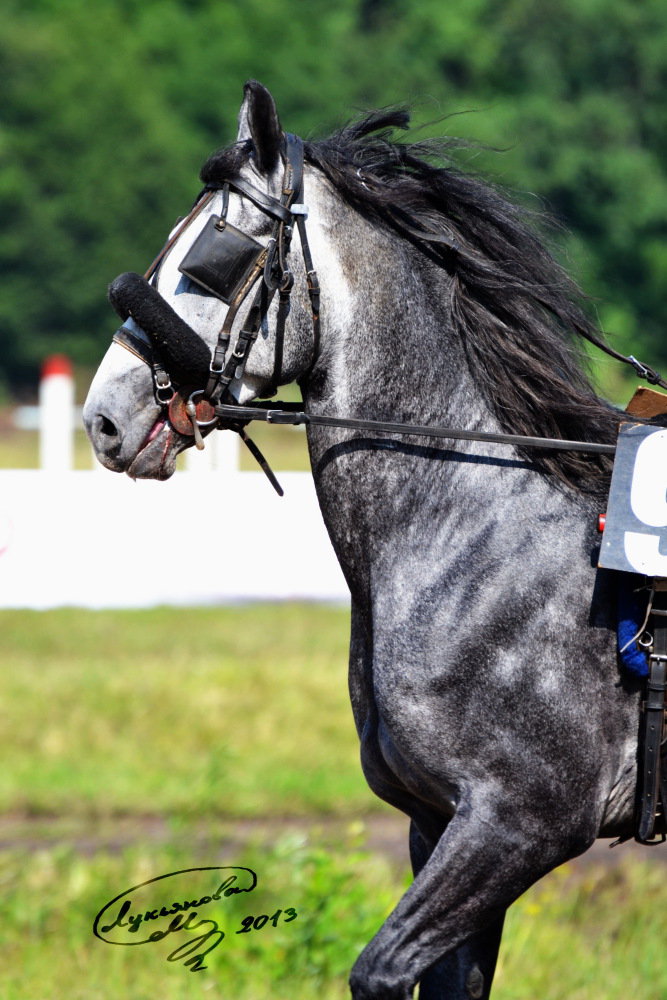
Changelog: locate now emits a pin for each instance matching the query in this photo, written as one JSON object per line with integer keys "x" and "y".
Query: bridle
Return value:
{"x": 229, "y": 264}
{"x": 271, "y": 264}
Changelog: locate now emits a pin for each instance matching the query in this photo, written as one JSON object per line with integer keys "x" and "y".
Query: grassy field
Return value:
{"x": 185, "y": 725}
{"x": 574, "y": 937}
{"x": 184, "y": 712}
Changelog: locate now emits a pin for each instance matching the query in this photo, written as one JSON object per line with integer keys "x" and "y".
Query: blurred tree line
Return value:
{"x": 109, "y": 109}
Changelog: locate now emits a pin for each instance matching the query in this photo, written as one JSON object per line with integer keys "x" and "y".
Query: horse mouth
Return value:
{"x": 156, "y": 458}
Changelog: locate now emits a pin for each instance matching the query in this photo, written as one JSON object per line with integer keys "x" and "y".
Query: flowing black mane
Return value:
{"x": 517, "y": 312}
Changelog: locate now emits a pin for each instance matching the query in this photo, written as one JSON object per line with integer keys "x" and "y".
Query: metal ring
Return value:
{"x": 164, "y": 400}
{"x": 200, "y": 423}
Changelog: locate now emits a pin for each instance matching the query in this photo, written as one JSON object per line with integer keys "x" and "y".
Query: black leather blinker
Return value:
{"x": 222, "y": 259}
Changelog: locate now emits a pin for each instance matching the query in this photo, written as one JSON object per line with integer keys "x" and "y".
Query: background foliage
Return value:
{"x": 109, "y": 108}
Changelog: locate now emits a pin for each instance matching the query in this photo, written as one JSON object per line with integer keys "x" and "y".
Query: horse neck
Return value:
{"x": 388, "y": 351}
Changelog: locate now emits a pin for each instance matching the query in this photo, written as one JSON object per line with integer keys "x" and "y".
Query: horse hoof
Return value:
{"x": 475, "y": 983}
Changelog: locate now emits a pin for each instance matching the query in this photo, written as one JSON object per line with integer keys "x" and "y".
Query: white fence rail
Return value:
{"x": 101, "y": 540}
{"x": 211, "y": 534}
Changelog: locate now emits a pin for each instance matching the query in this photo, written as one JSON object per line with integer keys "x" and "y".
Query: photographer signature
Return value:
{"x": 125, "y": 920}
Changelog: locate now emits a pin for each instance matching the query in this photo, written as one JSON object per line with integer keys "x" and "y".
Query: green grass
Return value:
{"x": 596, "y": 936}
{"x": 573, "y": 937}
{"x": 218, "y": 711}
{"x": 50, "y": 900}
{"x": 172, "y": 725}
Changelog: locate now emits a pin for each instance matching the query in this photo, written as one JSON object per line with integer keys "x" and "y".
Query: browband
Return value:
{"x": 264, "y": 201}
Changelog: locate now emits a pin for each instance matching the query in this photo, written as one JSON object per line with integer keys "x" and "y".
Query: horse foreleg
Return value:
{"x": 478, "y": 867}
{"x": 466, "y": 973}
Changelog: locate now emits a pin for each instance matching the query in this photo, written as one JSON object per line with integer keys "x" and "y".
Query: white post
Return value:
{"x": 226, "y": 446}
{"x": 56, "y": 415}
{"x": 199, "y": 461}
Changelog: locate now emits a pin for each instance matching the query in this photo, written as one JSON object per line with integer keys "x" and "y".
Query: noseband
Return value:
{"x": 227, "y": 263}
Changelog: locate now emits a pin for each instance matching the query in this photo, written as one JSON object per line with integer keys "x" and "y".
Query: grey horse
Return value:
{"x": 488, "y": 698}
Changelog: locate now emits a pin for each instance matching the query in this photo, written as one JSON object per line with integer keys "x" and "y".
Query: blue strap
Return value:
{"x": 631, "y": 613}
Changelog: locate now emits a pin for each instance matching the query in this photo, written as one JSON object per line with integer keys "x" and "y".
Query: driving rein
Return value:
{"x": 228, "y": 264}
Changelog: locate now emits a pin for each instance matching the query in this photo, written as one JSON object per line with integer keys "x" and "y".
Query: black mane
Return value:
{"x": 519, "y": 315}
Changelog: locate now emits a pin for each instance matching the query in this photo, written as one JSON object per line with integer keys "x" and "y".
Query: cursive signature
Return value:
{"x": 128, "y": 920}
{"x": 146, "y": 926}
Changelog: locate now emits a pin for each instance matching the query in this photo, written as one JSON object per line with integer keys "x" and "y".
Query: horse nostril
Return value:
{"x": 107, "y": 427}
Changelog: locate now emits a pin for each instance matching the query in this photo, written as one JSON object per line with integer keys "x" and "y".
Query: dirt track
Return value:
{"x": 384, "y": 833}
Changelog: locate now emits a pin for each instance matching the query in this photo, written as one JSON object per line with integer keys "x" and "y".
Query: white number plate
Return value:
{"x": 635, "y": 534}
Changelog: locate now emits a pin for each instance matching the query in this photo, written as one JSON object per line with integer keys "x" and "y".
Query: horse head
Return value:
{"x": 223, "y": 314}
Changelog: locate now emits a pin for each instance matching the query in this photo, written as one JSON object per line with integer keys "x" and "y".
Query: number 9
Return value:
{"x": 648, "y": 500}
{"x": 648, "y": 496}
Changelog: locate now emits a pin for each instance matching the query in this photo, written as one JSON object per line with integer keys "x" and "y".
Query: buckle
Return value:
{"x": 641, "y": 369}
{"x": 168, "y": 391}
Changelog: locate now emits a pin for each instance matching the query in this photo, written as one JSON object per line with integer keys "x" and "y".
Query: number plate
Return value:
{"x": 635, "y": 534}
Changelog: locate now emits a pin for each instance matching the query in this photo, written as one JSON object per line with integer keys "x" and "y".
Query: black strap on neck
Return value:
{"x": 652, "y": 777}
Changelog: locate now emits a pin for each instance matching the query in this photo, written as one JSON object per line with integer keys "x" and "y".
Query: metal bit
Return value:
{"x": 191, "y": 410}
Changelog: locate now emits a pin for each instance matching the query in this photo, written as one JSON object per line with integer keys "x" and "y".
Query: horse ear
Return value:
{"x": 258, "y": 120}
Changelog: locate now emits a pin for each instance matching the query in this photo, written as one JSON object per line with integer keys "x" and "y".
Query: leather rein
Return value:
{"x": 210, "y": 406}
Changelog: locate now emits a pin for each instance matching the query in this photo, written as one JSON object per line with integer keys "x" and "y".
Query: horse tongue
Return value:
{"x": 184, "y": 353}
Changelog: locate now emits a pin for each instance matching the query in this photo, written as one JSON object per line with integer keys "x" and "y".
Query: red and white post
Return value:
{"x": 56, "y": 415}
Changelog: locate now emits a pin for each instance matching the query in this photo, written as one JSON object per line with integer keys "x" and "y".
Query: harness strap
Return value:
{"x": 220, "y": 375}
{"x": 136, "y": 343}
{"x": 653, "y": 795}
{"x": 264, "y": 201}
{"x": 273, "y": 267}
{"x": 642, "y": 370}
